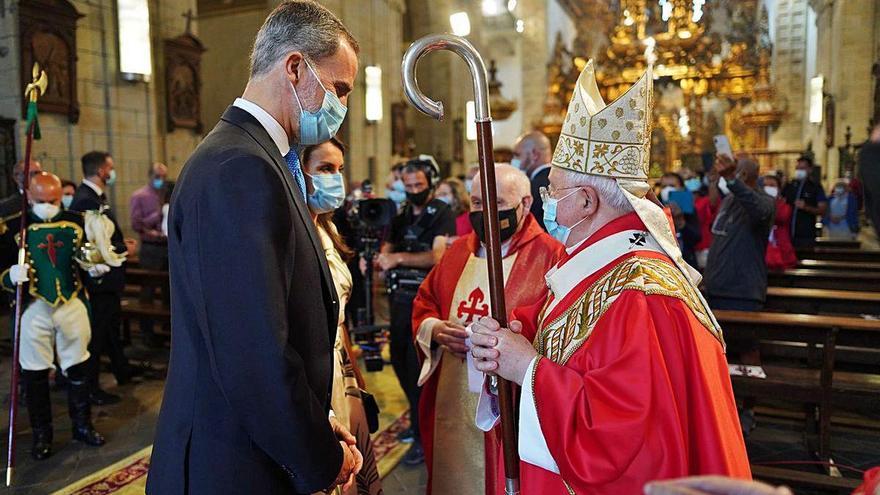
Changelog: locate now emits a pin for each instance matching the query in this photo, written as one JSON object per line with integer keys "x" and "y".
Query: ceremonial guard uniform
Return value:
{"x": 55, "y": 320}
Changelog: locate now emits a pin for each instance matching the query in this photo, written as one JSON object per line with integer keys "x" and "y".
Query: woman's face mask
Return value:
{"x": 329, "y": 192}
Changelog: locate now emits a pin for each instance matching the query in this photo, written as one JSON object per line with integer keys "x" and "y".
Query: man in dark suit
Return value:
{"x": 105, "y": 293}
{"x": 531, "y": 154}
{"x": 253, "y": 306}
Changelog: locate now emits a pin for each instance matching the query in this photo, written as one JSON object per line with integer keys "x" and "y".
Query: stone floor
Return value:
{"x": 128, "y": 427}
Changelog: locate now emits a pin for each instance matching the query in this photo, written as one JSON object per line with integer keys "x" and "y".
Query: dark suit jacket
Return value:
{"x": 541, "y": 179}
{"x": 86, "y": 199}
{"x": 253, "y": 313}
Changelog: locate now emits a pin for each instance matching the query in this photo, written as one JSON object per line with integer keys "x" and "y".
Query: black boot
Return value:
{"x": 80, "y": 408}
{"x": 36, "y": 384}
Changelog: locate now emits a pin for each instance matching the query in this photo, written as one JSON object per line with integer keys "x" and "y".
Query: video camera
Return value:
{"x": 370, "y": 219}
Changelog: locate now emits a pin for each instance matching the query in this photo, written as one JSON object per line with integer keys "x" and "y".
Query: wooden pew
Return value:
{"x": 838, "y": 243}
{"x": 818, "y": 386}
{"x": 839, "y": 254}
{"x": 825, "y": 279}
{"x": 822, "y": 301}
{"x": 133, "y": 309}
{"x": 804, "y": 480}
{"x": 854, "y": 266}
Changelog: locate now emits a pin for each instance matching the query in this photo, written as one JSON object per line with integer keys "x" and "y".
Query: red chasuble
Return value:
{"x": 456, "y": 453}
{"x": 631, "y": 384}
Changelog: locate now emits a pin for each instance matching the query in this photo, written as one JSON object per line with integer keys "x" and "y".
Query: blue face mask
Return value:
{"x": 158, "y": 183}
{"x": 318, "y": 127}
{"x": 516, "y": 163}
{"x": 445, "y": 199}
{"x": 112, "y": 179}
{"x": 67, "y": 200}
{"x": 558, "y": 232}
{"x": 692, "y": 184}
{"x": 396, "y": 196}
{"x": 329, "y": 192}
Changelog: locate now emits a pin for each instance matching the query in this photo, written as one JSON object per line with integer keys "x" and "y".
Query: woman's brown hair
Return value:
{"x": 460, "y": 192}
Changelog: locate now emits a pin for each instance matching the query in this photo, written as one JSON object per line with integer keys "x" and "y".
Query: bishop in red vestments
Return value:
{"x": 460, "y": 458}
{"x": 622, "y": 366}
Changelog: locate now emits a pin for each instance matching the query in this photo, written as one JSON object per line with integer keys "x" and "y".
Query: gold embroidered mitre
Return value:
{"x": 613, "y": 140}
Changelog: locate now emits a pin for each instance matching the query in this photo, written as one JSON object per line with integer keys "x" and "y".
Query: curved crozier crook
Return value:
{"x": 465, "y": 50}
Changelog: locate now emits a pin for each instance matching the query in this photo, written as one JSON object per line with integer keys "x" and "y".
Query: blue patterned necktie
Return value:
{"x": 292, "y": 159}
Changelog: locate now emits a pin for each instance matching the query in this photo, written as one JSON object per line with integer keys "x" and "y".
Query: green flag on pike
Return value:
{"x": 32, "y": 118}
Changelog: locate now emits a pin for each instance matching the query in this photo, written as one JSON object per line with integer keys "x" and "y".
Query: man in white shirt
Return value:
{"x": 253, "y": 304}
{"x": 105, "y": 293}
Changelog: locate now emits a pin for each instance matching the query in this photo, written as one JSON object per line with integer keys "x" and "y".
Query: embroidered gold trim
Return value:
{"x": 559, "y": 339}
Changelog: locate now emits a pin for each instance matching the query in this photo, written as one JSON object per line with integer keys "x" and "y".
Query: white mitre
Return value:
{"x": 614, "y": 141}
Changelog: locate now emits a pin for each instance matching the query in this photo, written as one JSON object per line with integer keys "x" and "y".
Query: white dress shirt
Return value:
{"x": 276, "y": 132}
{"x": 98, "y": 190}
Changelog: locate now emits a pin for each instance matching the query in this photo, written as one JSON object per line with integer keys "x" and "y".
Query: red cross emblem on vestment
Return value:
{"x": 50, "y": 245}
{"x": 473, "y": 307}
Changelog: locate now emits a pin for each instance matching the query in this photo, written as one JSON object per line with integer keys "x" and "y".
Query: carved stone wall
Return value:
{"x": 183, "y": 82}
{"x": 47, "y": 35}
{"x": 846, "y": 44}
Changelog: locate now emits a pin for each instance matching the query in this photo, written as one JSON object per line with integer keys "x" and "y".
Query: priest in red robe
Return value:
{"x": 460, "y": 458}
{"x": 622, "y": 365}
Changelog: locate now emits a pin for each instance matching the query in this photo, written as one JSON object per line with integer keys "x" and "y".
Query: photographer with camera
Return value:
{"x": 405, "y": 260}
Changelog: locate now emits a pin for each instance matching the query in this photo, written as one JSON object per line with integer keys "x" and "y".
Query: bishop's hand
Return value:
{"x": 451, "y": 337}
{"x": 502, "y": 351}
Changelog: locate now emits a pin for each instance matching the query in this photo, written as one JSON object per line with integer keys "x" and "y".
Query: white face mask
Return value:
{"x": 800, "y": 174}
{"x": 771, "y": 191}
{"x": 46, "y": 211}
{"x": 722, "y": 186}
{"x": 664, "y": 193}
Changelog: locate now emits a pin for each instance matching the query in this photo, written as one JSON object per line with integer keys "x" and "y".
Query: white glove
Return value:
{"x": 165, "y": 209}
{"x": 99, "y": 270}
{"x": 19, "y": 274}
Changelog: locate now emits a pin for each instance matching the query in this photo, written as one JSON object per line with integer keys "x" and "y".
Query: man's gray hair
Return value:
{"x": 511, "y": 177}
{"x": 298, "y": 25}
{"x": 608, "y": 190}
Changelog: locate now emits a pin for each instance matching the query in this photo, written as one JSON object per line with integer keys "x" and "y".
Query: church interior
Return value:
{"x": 783, "y": 81}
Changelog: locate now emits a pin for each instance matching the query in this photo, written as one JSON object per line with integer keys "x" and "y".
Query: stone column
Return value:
{"x": 846, "y": 50}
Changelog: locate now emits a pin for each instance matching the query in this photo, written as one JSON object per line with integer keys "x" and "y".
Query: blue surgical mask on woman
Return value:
{"x": 66, "y": 201}
{"x": 329, "y": 192}
{"x": 558, "y": 232}
{"x": 318, "y": 127}
{"x": 158, "y": 183}
{"x": 692, "y": 184}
